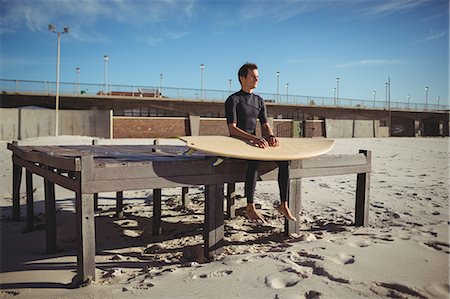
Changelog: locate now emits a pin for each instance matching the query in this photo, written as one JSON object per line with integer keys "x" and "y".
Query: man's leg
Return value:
{"x": 283, "y": 185}
{"x": 251, "y": 178}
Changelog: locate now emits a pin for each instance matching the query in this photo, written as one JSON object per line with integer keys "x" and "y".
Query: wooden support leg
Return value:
{"x": 17, "y": 178}
{"x": 50, "y": 216}
{"x": 85, "y": 230}
{"x": 295, "y": 205}
{"x": 213, "y": 232}
{"x": 95, "y": 202}
{"x": 119, "y": 204}
{"x": 157, "y": 230}
{"x": 362, "y": 196}
{"x": 184, "y": 196}
{"x": 231, "y": 198}
{"x": 30, "y": 202}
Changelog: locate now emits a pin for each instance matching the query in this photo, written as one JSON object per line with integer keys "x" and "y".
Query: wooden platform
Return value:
{"x": 88, "y": 170}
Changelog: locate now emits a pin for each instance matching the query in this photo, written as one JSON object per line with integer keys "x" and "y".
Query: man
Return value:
{"x": 242, "y": 110}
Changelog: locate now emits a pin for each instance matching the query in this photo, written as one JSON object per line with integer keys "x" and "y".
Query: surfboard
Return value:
{"x": 288, "y": 149}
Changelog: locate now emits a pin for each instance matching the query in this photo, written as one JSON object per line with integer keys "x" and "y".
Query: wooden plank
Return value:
{"x": 295, "y": 205}
{"x": 85, "y": 235}
{"x": 362, "y": 195}
{"x": 157, "y": 229}
{"x": 334, "y": 161}
{"x": 231, "y": 200}
{"x": 17, "y": 179}
{"x": 52, "y": 176}
{"x": 213, "y": 231}
{"x": 30, "y": 201}
{"x": 50, "y": 217}
{"x": 119, "y": 204}
{"x": 318, "y": 172}
{"x": 85, "y": 225}
{"x": 185, "y": 196}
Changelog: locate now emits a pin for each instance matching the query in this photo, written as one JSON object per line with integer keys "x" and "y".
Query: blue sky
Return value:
{"x": 309, "y": 42}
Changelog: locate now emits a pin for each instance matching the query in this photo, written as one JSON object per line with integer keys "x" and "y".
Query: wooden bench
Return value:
{"x": 89, "y": 170}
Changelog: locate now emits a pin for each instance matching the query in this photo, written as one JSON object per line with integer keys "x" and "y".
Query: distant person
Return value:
{"x": 242, "y": 109}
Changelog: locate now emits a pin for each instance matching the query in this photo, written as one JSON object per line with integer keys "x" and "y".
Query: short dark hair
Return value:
{"x": 243, "y": 71}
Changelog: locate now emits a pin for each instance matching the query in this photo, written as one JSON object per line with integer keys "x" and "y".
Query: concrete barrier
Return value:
{"x": 339, "y": 128}
{"x": 363, "y": 129}
{"x": 18, "y": 124}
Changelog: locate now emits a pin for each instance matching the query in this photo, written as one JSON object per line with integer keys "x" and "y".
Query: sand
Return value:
{"x": 403, "y": 253}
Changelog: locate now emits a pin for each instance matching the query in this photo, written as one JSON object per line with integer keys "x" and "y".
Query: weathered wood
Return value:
{"x": 50, "y": 216}
{"x": 157, "y": 229}
{"x": 96, "y": 202}
{"x": 185, "y": 196}
{"x": 85, "y": 235}
{"x": 85, "y": 225}
{"x": 334, "y": 161}
{"x": 119, "y": 204}
{"x": 295, "y": 205}
{"x": 30, "y": 201}
{"x": 231, "y": 200}
{"x": 52, "y": 176}
{"x": 213, "y": 231}
{"x": 330, "y": 171}
{"x": 17, "y": 179}
{"x": 362, "y": 195}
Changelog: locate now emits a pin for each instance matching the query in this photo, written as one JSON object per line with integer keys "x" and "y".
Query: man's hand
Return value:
{"x": 260, "y": 142}
{"x": 273, "y": 141}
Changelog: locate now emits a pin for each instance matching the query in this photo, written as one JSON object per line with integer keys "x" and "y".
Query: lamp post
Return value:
{"x": 161, "y": 76}
{"x": 77, "y": 70}
{"x": 52, "y": 28}
{"x": 374, "y": 98}
{"x": 337, "y": 91}
{"x": 334, "y": 95}
{"x": 385, "y": 101}
{"x": 202, "y": 68}
{"x": 409, "y": 99}
{"x": 438, "y": 99}
{"x": 278, "y": 86}
{"x": 106, "y": 59}
{"x": 287, "y": 92}
{"x": 426, "y": 98}
{"x": 229, "y": 84}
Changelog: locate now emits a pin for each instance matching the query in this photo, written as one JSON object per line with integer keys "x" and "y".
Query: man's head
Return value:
{"x": 248, "y": 76}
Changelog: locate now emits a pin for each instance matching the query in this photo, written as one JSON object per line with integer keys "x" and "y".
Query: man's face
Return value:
{"x": 251, "y": 81}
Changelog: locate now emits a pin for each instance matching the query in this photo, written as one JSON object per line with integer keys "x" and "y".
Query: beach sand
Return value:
{"x": 403, "y": 253}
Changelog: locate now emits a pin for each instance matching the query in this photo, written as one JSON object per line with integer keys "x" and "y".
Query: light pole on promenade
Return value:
{"x": 77, "y": 70}
{"x": 202, "y": 69}
{"x": 426, "y": 98}
{"x": 106, "y": 59}
{"x": 52, "y": 28}
{"x": 278, "y": 86}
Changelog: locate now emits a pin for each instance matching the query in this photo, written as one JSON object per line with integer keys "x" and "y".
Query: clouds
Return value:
{"x": 431, "y": 37}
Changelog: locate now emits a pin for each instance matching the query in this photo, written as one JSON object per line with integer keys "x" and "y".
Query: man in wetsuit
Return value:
{"x": 242, "y": 110}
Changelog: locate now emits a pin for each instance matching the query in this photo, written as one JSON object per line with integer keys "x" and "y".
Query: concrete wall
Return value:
{"x": 347, "y": 128}
{"x": 17, "y": 124}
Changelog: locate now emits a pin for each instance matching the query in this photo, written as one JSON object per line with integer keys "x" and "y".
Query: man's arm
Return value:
{"x": 241, "y": 134}
{"x": 267, "y": 132}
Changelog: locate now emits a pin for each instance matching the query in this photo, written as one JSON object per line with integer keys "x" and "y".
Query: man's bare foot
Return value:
{"x": 252, "y": 214}
{"x": 284, "y": 210}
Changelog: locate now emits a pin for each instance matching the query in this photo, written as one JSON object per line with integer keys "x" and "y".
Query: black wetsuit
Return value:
{"x": 244, "y": 109}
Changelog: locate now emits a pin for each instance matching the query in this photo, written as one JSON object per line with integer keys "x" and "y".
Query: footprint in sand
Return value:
{"x": 360, "y": 243}
{"x": 282, "y": 280}
{"x": 343, "y": 259}
{"x": 439, "y": 246}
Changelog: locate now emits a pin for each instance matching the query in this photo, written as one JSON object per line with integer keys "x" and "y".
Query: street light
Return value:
{"x": 337, "y": 91}
{"x": 374, "y": 96}
{"x": 278, "y": 85}
{"x": 334, "y": 95}
{"x": 202, "y": 68}
{"x": 386, "y": 99}
{"x": 77, "y": 70}
{"x": 438, "y": 99}
{"x": 160, "y": 84}
{"x": 409, "y": 99}
{"x": 106, "y": 59}
{"x": 52, "y": 28}
{"x": 426, "y": 98}
{"x": 229, "y": 82}
{"x": 287, "y": 92}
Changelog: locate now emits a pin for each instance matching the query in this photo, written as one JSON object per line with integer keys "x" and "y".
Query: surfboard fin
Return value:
{"x": 218, "y": 161}
{"x": 189, "y": 152}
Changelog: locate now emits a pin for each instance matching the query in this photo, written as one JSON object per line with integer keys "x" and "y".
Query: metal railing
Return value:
{"x": 89, "y": 89}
